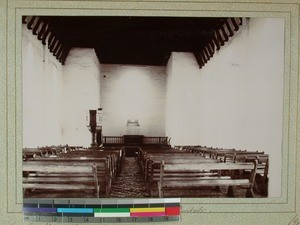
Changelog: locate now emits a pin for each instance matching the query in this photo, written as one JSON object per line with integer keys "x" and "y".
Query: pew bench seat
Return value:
{"x": 205, "y": 182}
{"x": 57, "y": 187}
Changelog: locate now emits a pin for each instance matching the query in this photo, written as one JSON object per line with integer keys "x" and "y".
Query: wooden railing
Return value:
{"x": 155, "y": 140}
{"x": 120, "y": 140}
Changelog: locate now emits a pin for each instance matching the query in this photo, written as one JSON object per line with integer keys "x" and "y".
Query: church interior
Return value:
{"x": 124, "y": 106}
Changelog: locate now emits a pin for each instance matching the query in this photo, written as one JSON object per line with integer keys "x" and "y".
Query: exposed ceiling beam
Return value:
{"x": 45, "y": 35}
{"x": 42, "y": 31}
{"x": 29, "y": 24}
{"x": 133, "y": 40}
{"x": 36, "y": 26}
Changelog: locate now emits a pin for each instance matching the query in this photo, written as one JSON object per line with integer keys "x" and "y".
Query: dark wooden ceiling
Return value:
{"x": 133, "y": 40}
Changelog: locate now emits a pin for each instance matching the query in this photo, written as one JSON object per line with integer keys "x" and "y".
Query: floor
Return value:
{"x": 130, "y": 182}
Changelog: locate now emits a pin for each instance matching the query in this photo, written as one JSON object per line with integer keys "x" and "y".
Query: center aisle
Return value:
{"x": 130, "y": 182}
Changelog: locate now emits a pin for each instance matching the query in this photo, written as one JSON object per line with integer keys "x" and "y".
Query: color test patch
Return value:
{"x": 101, "y": 210}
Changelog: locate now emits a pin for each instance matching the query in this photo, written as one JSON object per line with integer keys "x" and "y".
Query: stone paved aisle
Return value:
{"x": 129, "y": 183}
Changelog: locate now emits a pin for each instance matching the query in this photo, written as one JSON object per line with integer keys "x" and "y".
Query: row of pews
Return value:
{"x": 70, "y": 170}
{"x": 234, "y": 155}
{"x": 47, "y": 151}
{"x": 193, "y": 167}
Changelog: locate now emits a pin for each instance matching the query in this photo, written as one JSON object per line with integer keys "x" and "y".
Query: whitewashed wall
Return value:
{"x": 133, "y": 92}
{"x": 56, "y": 97}
{"x": 42, "y": 93}
{"x": 81, "y": 92}
{"x": 236, "y": 99}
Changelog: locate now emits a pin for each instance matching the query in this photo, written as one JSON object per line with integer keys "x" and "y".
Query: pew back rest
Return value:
{"x": 205, "y": 169}
{"x": 68, "y": 176}
{"x": 71, "y": 169}
{"x": 179, "y": 171}
{"x": 153, "y": 165}
{"x": 190, "y": 167}
{"x": 75, "y": 164}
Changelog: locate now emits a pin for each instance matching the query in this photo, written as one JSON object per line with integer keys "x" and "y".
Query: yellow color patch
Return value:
{"x": 159, "y": 209}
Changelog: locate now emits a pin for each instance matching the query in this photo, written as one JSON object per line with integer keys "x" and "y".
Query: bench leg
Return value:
{"x": 249, "y": 193}
{"x": 150, "y": 192}
{"x": 230, "y": 192}
{"x": 255, "y": 187}
{"x": 217, "y": 188}
{"x": 149, "y": 188}
{"x": 265, "y": 189}
{"x": 160, "y": 193}
{"x": 24, "y": 192}
{"x": 97, "y": 191}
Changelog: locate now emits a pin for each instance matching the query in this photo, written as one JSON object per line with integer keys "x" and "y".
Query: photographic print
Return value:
{"x": 192, "y": 105}
{"x": 141, "y": 107}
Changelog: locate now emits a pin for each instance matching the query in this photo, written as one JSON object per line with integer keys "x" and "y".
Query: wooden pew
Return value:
{"x": 239, "y": 155}
{"x": 116, "y": 157}
{"x": 202, "y": 151}
{"x": 60, "y": 177}
{"x": 46, "y": 151}
{"x": 220, "y": 153}
{"x": 186, "y": 148}
{"x": 120, "y": 154}
{"x": 104, "y": 173}
{"x": 142, "y": 157}
{"x": 146, "y": 156}
{"x": 180, "y": 158}
{"x": 262, "y": 170}
{"x": 33, "y": 153}
{"x": 180, "y": 176}
{"x": 153, "y": 173}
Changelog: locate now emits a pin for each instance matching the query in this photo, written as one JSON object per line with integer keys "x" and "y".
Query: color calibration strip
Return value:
{"x": 101, "y": 210}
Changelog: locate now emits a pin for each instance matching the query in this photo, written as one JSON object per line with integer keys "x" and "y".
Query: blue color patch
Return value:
{"x": 75, "y": 210}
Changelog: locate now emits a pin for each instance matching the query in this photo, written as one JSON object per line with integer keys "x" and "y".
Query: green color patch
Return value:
{"x": 111, "y": 210}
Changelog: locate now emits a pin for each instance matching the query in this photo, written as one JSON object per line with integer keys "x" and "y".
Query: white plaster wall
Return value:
{"x": 55, "y": 97}
{"x": 81, "y": 92}
{"x": 42, "y": 93}
{"x": 133, "y": 92}
{"x": 236, "y": 99}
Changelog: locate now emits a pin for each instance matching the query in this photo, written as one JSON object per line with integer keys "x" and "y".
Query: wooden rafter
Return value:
{"x": 54, "y": 45}
{"x": 234, "y": 23}
{"x": 57, "y": 49}
{"x": 60, "y": 52}
{"x": 229, "y": 28}
{"x": 45, "y": 35}
{"x": 199, "y": 59}
{"x": 216, "y": 42}
{"x": 42, "y": 31}
{"x": 55, "y": 32}
{"x": 24, "y": 19}
{"x": 29, "y": 25}
{"x": 51, "y": 39}
{"x": 224, "y": 34}
{"x": 218, "y": 39}
{"x": 36, "y": 26}
{"x": 64, "y": 55}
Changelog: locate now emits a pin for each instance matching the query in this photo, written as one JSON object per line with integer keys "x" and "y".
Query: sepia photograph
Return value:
{"x": 152, "y": 107}
{"x": 149, "y": 111}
